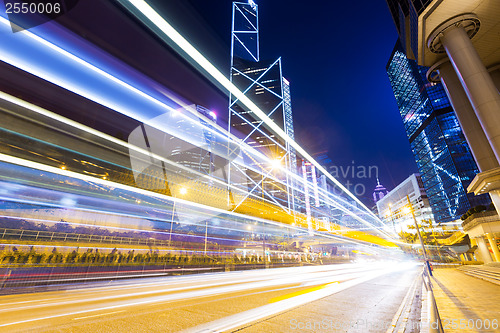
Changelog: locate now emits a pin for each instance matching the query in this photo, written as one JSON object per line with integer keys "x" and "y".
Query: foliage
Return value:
{"x": 476, "y": 209}
{"x": 116, "y": 257}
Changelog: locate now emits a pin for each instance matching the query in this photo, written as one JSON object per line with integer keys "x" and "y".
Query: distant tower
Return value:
{"x": 379, "y": 192}
{"x": 263, "y": 83}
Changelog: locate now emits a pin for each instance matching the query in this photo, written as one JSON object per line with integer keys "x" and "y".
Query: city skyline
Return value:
{"x": 220, "y": 166}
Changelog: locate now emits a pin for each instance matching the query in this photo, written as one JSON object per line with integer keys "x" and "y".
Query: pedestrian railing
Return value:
{"x": 435, "y": 325}
{"x": 35, "y": 235}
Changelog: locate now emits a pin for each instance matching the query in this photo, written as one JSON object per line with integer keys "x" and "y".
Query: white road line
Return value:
{"x": 395, "y": 319}
{"x": 247, "y": 317}
{"x": 176, "y": 297}
{"x": 242, "y": 281}
{"x": 99, "y": 315}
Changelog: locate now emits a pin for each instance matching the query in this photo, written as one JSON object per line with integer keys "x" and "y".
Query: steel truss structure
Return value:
{"x": 258, "y": 135}
{"x": 264, "y": 84}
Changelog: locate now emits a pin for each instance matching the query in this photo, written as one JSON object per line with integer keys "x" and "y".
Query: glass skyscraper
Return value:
{"x": 442, "y": 154}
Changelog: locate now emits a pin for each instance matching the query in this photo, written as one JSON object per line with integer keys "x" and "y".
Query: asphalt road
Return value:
{"x": 358, "y": 297}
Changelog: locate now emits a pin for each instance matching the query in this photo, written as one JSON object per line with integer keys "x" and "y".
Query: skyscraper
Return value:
{"x": 263, "y": 83}
{"x": 442, "y": 154}
{"x": 458, "y": 41}
{"x": 379, "y": 192}
{"x": 391, "y": 208}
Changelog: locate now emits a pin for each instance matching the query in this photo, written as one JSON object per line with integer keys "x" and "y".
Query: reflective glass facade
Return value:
{"x": 442, "y": 154}
{"x": 403, "y": 10}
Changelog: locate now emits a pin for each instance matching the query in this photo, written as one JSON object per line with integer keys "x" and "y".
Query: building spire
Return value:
{"x": 379, "y": 192}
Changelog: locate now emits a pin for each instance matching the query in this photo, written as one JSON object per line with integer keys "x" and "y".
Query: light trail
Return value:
{"x": 74, "y": 124}
{"x": 126, "y": 109}
{"x": 330, "y": 199}
{"x": 235, "y": 321}
{"x": 27, "y": 105}
{"x": 191, "y": 279}
{"x": 213, "y": 210}
{"x": 244, "y": 282}
{"x": 167, "y": 30}
{"x": 89, "y": 301}
{"x": 58, "y": 78}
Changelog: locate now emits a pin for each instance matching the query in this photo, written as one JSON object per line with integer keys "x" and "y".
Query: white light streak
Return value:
{"x": 194, "y": 54}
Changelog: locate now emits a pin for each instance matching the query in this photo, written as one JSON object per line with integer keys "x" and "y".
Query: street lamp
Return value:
{"x": 409, "y": 209}
{"x": 389, "y": 213}
{"x": 435, "y": 312}
{"x": 276, "y": 163}
{"x": 182, "y": 191}
{"x": 206, "y": 238}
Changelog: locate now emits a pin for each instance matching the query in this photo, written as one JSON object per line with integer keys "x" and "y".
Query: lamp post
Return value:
{"x": 264, "y": 249}
{"x": 206, "y": 234}
{"x": 392, "y": 219}
{"x": 171, "y": 225}
{"x": 409, "y": 209}
{"x": 182, "y": 191}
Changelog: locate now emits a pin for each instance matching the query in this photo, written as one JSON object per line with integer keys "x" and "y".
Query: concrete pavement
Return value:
{"x": 466, "y": 304}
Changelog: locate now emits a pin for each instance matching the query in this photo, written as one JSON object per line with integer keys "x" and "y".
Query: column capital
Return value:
{"x": 469, "y": 21}
{"x": 432, "y": 74}
{"x": 493, "y": 67}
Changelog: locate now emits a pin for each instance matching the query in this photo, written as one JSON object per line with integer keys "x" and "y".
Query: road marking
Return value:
{"x": 184, "y": 295}
{"x": 411, "y": 291}
{"x": 242, "y": 278}
{"x": 238, "y": 320}
{"x": 301, "y": 292}
{"x": 98, "y": 315}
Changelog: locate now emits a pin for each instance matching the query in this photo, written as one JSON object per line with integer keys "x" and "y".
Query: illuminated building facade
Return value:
{"x": 392, "y": 206}
{"x": 199, "y": 158}
{"x": 458, "y": 42}
{"x": 263, "y": 83}
{"x": 379, "y": 192}
{"x": 442, "y": 154}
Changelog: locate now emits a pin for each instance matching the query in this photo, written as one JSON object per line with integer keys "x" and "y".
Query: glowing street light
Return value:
{"x": 183, "y": 191}
{"x": 276, "y": 163}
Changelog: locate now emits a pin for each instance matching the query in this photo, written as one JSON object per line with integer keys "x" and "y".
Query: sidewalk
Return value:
{"x": 472, "y": 302}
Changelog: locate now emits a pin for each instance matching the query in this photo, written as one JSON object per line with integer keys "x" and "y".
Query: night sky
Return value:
{"x": 334, "y": 54}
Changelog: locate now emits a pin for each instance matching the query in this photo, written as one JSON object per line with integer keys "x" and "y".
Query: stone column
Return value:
{"x": 473, "y": 243}
{"x": 477, "y": 83}
{"x": 495, "y": 197}
{"x": 473, "y": 132}
{"x": 495, "y": 75}
{"x": 483, "y": 250}
{"x": 494, "y": 247}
